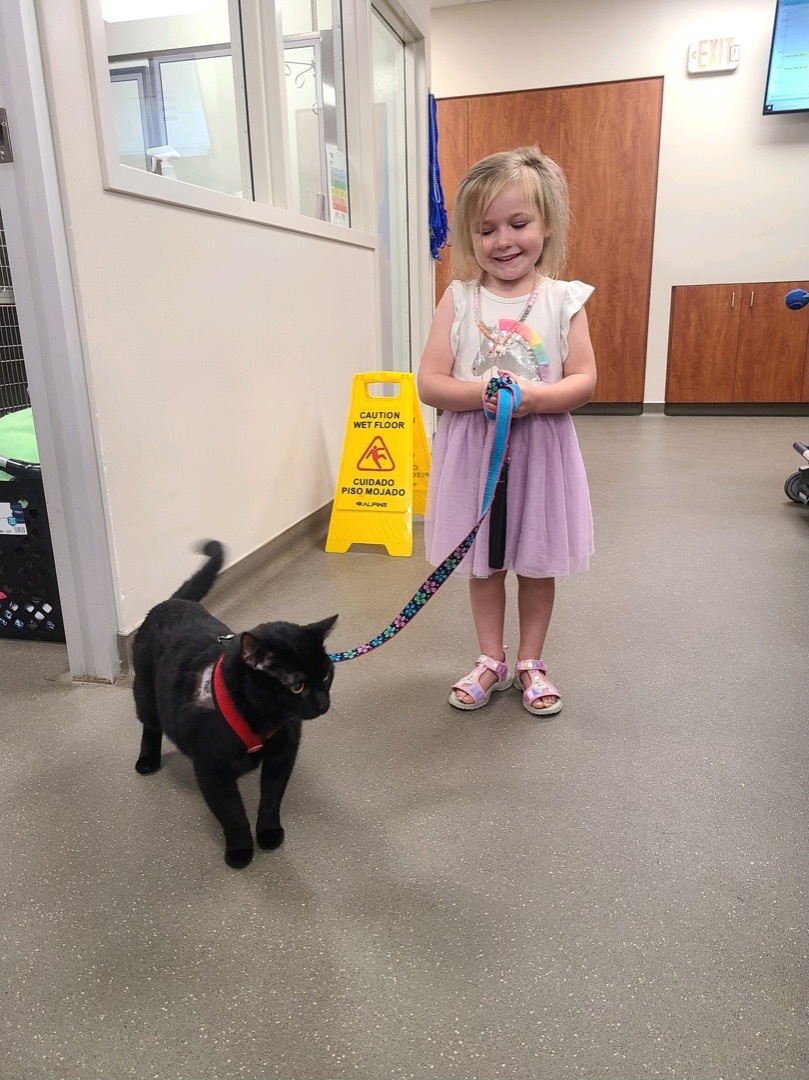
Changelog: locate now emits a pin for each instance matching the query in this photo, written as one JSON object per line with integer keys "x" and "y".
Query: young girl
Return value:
{"x": 507, "y": 313}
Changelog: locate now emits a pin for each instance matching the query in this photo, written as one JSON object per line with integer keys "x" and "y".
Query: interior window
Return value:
{"x": 178, "y": 74}
{"x": 178, "y": 89}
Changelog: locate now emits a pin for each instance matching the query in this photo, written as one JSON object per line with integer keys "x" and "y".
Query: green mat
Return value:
{"x": 17, "y": 438}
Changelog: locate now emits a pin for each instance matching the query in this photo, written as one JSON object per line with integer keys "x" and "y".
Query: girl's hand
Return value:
{"x": 530, "y": 395}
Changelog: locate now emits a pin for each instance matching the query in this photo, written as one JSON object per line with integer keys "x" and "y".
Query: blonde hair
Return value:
{"x": 544, "y": 183}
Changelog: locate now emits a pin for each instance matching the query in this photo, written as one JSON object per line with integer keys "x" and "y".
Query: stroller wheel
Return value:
{"x": 793, "y": 485}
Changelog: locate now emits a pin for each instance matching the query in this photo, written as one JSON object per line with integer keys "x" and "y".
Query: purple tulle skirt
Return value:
{"x": 549, "y": 530}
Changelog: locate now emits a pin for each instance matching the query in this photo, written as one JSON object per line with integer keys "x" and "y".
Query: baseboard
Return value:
{"x": 651, "y": 408}
{"x": 266, "y": 561}
{"x": 610, "y": 408}
{"x": 776, "y": 408}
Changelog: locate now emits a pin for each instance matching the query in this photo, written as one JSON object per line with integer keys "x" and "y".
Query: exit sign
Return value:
{"x": 711, "y": 55}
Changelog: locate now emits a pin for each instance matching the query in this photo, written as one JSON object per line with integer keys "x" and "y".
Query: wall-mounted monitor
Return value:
{"x": 788, "y": 73}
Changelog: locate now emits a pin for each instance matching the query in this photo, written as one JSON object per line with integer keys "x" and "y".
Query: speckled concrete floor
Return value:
{"x": 617, "y": 893}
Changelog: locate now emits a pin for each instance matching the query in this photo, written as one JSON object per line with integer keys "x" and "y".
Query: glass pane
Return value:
{"x": 201, "y": 124}
{"x": 296, "y": 17}
{"x": 129, "y": 122}
{"x": 326, "y": 14}
{"x": 307, "y": 16}
{"x": 390, "y": 137}
{"x": 316, "y": 119}
{"x": 305, "y": 136}
{"x": 190, "y": 96}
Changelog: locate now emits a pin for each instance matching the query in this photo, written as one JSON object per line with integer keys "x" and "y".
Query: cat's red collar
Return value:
{"x": 227, "y": 706}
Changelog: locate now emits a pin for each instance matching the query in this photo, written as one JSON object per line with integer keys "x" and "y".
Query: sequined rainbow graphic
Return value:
{"x": 531, "y": 339}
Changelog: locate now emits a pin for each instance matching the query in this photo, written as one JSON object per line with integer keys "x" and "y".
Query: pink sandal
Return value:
{"x": 471, "y": 685}
{"x": 539, "y": 687}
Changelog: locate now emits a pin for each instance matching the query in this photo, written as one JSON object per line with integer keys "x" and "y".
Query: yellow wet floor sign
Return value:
{"x": 384, "y": 468}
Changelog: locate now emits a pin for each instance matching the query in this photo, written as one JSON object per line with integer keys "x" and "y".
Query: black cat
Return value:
{"x": 228, "y": 702}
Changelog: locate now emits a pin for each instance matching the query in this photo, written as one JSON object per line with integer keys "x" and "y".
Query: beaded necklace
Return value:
{"x": 498, "y": 341}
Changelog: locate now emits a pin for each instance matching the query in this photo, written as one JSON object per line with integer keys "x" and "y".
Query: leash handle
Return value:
{"x": 501, "y": 385}
{"x": 506, "y": 393}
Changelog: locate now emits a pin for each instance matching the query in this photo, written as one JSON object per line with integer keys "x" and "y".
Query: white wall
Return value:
{"x": 731, "y": 204}
{"x": 219, "y": 352}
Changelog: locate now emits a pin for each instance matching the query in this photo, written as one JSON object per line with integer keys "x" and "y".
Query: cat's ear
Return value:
{"x": 254, "y": 653}
{"x": 323, "y": 627}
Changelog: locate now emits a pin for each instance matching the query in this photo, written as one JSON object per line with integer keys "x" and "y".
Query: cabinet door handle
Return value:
{"x": 752, "y": 294}
{"x": 732, "y": 300}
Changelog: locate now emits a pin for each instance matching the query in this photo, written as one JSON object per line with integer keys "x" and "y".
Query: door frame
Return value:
{"x": 50, "y": 328}
{"x": 419, "y": 264}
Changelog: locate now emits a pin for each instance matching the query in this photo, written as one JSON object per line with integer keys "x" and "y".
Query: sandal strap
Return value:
{"x": 499, "y": 667}
{"x": 471, "y": 683}
{"x": 531, "y": 665}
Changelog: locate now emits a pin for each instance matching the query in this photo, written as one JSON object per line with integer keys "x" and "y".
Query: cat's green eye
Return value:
{"x": 298, "y": 688}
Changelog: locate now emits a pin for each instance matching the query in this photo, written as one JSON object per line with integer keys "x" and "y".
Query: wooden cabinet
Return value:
{"x": 772, "y": 350}
{"x": 703, "y": 335}
{"x": 606, "y": 138}
{"x": 737, "y": 344}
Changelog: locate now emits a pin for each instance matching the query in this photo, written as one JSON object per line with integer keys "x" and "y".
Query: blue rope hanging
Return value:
{"x": 439, "y": 228}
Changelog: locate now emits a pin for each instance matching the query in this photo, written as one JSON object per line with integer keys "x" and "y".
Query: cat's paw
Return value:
{"x": 238, "y": 858}
{"x": 270, "y": 839}
{"x": 147, "y": 763}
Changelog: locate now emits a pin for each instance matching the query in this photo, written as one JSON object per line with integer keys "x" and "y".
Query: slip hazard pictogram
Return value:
{"x": 377, "y": 458}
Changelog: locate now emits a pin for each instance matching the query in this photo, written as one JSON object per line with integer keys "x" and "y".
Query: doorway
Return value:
{"x": 13, "y": 380}
{"x": 50, "y": 340}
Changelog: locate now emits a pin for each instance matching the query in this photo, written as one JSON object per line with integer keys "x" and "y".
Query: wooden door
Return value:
{"x": 506, "y": 121}
{"x": 610, "y": 135}
{"x": 606, "y": 137}
{"x": 771, "y": 355}
{"x": 703, "y": 337}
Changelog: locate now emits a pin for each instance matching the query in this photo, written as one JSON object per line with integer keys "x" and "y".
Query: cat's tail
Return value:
{"x": 199, "y": 584}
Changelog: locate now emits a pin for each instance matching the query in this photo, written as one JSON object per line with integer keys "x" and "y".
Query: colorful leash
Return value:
{"x": 506, "y": 394}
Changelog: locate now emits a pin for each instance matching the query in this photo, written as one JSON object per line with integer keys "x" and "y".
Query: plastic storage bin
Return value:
{"x": 29, "y": 594}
